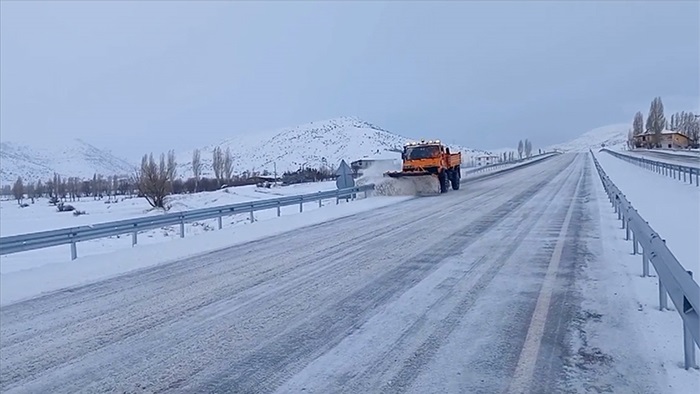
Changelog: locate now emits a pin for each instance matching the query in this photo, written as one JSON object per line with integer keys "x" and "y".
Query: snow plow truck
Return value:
{"x": 430, "y": 160}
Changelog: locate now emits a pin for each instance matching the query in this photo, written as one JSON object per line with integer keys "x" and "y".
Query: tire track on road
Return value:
{"x": 54, "y": 348}
{"x": 267, "y": 367}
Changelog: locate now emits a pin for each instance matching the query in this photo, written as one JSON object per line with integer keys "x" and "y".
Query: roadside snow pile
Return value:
{"x": 386, "y": 186}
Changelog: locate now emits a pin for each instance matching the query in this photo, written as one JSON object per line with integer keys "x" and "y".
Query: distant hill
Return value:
{"x": 67, "y": 158}
{"x": 613, "y": 136}
{"x": 313, "y": 144}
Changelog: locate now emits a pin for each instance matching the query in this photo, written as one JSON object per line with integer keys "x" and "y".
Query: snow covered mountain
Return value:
{"x": 315, "y": 144}
{"x": 613, "y": 136}
{"x": 67, "y": 158}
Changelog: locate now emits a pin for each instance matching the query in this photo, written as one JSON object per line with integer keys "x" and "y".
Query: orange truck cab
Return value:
{"x": 430, "y": 158}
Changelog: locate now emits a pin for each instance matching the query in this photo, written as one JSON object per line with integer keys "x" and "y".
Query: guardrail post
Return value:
{"x": 320, "y": 201}
{"x": 73, "y": 248}
{"x": 220, "y": 220}
{"x": 645, "y": 263}
{"x": 134, "y": 237}
{"x": 252, "y": 217}
{"x": 279, "y": 210}
{"x": 626, "y": 225}
{"x": 301, "y": 206}
{"x": 688, "y": 345}
{"x": 663, "y": 299}
{"x": 635, "y": 244}
{"x": 182, "y": 227}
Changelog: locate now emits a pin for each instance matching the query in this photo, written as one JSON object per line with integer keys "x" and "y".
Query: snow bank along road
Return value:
{"x": 471, "y": 291}
{"x": 689, "y": 160}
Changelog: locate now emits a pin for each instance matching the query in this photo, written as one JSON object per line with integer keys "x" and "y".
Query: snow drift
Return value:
{"x": 386, "y": 186}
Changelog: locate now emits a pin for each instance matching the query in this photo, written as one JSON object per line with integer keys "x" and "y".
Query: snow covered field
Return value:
{"x": 617, "y": 285}
{"x": 672, "y": 208}
{"x": 42, "y": 216}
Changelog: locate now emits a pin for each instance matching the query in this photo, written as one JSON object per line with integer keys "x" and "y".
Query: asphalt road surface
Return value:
{"x": 470, "y": 292}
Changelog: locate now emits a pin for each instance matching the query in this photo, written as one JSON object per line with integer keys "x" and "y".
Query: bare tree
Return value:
{"x": 30, "y": 189}
{"x": 520, "y": 149}
{"x": 153, "y": 181}
{"x": 638, "y": 124}
{"x": 50, "y": 188}
{"x": 630, "y": 139}
{"x": 528, "y": 148}
{"x": 196, "y": 167}
{"x": 18, "y": 190}
{"x": 171, "y": 169}
{"x": 218, "y": 164}
{"x": 40, "y": 189}
{"x": 656, "y": 121}
{"x": 63, "y": 188}
{"x": 228, "y": 165}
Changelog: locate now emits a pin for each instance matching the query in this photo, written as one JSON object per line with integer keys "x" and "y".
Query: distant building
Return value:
{"x": 668, "y": 140}
{"x": 485, "y": 160}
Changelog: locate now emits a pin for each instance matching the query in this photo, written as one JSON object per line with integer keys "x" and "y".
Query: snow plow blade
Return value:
{"x": 401, "y": 174}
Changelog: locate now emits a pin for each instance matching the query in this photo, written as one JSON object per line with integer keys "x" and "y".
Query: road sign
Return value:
{"x": 345, "y": 179}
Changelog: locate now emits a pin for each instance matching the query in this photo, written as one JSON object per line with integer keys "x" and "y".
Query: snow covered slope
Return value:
{"x": 614, "y": 136}
{"x": 313, "y": 144}
{"x": 310, "y": 145}
{"x": 67, "y": 158}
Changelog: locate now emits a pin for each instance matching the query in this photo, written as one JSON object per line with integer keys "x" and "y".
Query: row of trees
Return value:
{"x": 685, "y": 123}
{"x": 70, "y": 188}
{"x": 155, "y": 179}
{"x": 524, "y": 147}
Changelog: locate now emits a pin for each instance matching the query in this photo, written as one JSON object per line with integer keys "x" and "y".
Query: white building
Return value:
{"x": 485, "y": 160}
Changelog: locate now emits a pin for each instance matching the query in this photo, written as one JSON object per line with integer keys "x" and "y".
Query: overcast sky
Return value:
{"x": 155, "y": 75}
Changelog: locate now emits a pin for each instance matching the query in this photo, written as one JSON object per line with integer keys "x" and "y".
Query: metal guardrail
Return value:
{"x": 674, "y": 171}
{"x": 476, "y": 170}
{"x": 71, "y": 236}
{"x": 674, "y": 281}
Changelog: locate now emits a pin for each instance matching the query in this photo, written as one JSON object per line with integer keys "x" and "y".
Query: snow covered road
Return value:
{"x": 472, "y": 291}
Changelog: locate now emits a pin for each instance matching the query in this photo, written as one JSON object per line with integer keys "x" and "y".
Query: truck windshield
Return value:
{"x": 421, "y": 152}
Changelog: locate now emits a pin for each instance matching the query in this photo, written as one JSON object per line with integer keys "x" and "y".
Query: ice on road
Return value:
{"x": 475, "y": 290}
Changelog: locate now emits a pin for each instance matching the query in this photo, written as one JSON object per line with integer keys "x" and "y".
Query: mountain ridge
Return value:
{"x": 313, "y": 144}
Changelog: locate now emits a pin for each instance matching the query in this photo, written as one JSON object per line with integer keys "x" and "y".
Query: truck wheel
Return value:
{"x": 455, "y": 179}
{"x": 444, "y": 182}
